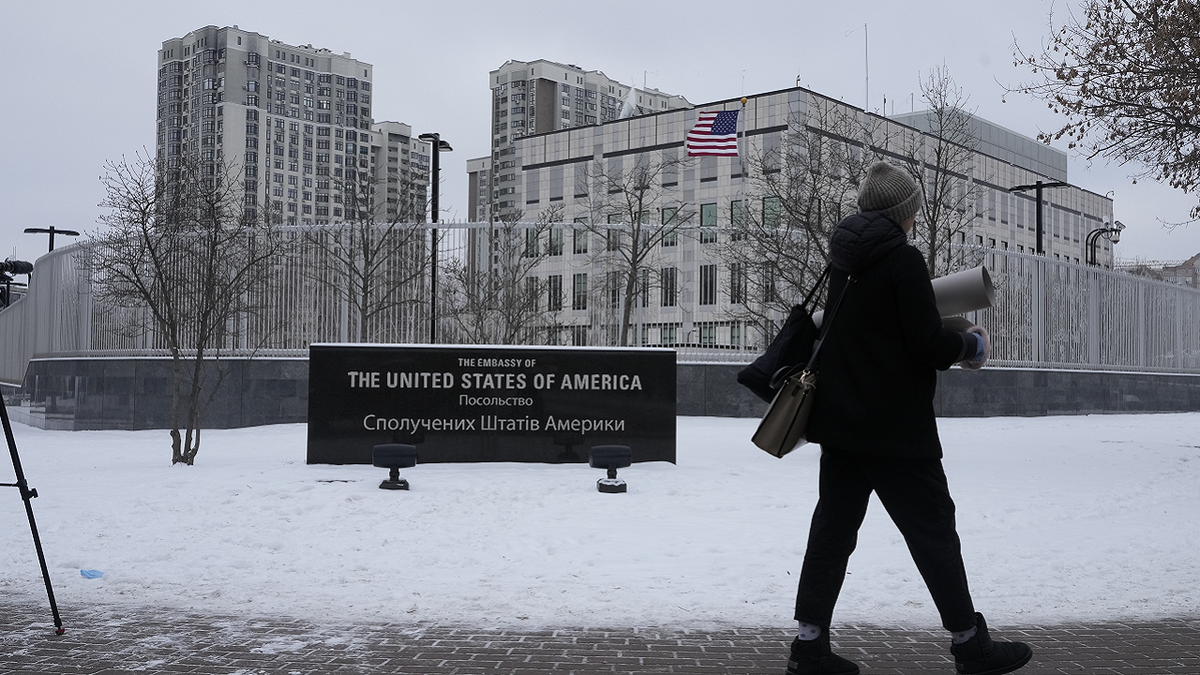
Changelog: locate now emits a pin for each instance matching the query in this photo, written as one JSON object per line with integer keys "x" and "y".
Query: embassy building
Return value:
{"x": 689, "y": 292}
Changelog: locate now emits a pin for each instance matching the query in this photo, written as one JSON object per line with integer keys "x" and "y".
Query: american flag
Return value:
{"x": 715, "y": 135}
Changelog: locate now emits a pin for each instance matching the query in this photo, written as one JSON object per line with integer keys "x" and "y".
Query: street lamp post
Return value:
{"x": 1038, "y": 187}
{"x": 1112, "y": 234}
{"x": 51, "y": 231}
{"x": 437, "y": 146}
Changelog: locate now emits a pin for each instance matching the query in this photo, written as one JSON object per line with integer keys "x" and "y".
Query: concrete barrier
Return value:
{"x": 712, "y": 389}
{"x": 125, "y": 393}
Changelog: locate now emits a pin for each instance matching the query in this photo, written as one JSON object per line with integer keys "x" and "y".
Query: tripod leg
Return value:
{"x": 27, "y": 495}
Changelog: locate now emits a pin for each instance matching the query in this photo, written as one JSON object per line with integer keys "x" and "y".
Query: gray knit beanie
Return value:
{"x": 889, "y": 190}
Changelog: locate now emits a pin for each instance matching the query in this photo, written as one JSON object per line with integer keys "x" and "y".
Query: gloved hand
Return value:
{"x": 987, "y": 349}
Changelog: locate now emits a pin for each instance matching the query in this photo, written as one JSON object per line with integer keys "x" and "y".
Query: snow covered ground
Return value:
{"x": 1062, "y": 518}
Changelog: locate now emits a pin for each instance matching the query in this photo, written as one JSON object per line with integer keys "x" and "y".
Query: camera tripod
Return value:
{"x": 27, "y": 494}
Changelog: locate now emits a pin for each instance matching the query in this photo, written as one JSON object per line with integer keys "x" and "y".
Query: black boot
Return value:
{"x": 814, "y": 657}
{"x": 981, "y": 656}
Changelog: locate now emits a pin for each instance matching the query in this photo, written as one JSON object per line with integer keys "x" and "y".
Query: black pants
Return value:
{"x": 916, "y": 496}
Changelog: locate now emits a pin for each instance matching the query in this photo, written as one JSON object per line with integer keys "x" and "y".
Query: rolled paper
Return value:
{"x": 958, "y": 293}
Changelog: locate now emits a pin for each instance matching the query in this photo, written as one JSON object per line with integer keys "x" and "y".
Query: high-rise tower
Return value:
{"x": 533, "y": 97}
{"x": 295, "y": 120}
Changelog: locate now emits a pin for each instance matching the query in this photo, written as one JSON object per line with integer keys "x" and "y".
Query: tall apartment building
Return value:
{"x": 479, "y": 188}
{"x": 402, "y": 167}
{"x": 534, "y": 97}
{"x": 295, "y": 120}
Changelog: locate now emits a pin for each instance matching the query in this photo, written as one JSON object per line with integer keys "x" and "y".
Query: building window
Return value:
{"x": 613, "y": 282}
{"x": 772, "y": 211}
{"x": 769, "y": 293}
{"x": 669, "y": 335}
{"x": 737, "y": 284}
{"x": 580, "y": 241}
{"x": 531, "y": 243}
{"x": 670, "y": 216}
{"x": 531, "y": 292}
{"x": 556, "y": 242}
{"x": 579, "y": 336}
{"x": 667, "y": 289}
{"x": 612, "y": 235}
{"x": 708, "y": 284}
{"x": 739, "y": 219}
{"x": 554, "y": 300}
{"x": 579, "y": 291}
{"x": 708, "y": 223}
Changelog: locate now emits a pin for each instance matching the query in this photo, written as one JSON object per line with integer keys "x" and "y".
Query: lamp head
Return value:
{"x": 436, "y": 141}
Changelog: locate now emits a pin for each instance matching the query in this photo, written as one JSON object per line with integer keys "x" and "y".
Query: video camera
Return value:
{"x": 16, "y": 267}
{"x": 7, "y": 269}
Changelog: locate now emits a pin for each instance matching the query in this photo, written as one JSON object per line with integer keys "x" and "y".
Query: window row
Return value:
{"x": 703, "y": 333}
{"x": 666, "y": 280}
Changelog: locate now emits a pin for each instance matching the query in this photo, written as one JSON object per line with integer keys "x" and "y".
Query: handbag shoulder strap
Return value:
{"x": 816, "y": 287}
{"x": 827, "y": 321}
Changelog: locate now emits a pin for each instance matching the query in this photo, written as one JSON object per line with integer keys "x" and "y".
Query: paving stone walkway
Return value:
{"x": 112, "y": 640}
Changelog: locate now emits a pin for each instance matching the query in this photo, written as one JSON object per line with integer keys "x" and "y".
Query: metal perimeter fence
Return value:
{"x": 1053, "y": 314}
{"x": 1048, "y": 314}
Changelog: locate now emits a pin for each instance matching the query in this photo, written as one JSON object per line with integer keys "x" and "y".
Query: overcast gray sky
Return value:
{"x": 82, "y": 77}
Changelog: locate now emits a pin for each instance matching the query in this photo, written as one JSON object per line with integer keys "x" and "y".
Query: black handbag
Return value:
{"x": 792, "y": 345}
{"x": 784, "y": 427}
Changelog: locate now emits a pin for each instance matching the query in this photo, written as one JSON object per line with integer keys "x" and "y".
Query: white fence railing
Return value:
{"x": 1048, "y": 314}
{"x": 1055, "y": 314}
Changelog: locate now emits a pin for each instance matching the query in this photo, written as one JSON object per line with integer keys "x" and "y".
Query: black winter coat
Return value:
{"x": 879, "y": 360}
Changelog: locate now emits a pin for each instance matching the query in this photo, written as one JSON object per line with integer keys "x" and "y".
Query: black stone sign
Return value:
{"x": 489, "y": 404}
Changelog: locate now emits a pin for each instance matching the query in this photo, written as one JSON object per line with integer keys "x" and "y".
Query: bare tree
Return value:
{"x": 185, "y": 249}
{"x": 942, "y": 161}
{"x": 632, "y": 211}
{"x": 1125, "y": 73}
{"x": 375, "y": 259}
{"x": 503, "y": 303}
{"x": 801, "y": 189}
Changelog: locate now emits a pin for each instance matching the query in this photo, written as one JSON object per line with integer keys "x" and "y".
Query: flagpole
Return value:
{"x": 741, "y": 136}
{"x": 742, "y": 193}
{"x": 742, "y": 158}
